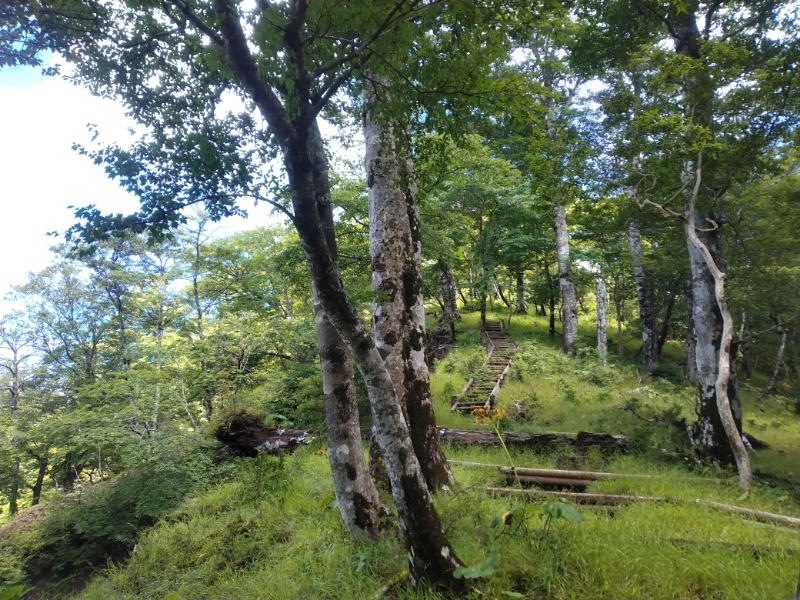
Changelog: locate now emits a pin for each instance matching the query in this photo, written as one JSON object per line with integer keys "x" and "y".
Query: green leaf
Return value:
{"x": 512, "y": 595}
{"x": 362, "y": 562}
{"x": 560, "y": 510}
{"x": 482, "y": 569}
{"x": 16, "y": 591}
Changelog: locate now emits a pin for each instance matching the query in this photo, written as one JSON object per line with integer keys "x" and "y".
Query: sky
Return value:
{"x": 41, "y": 176}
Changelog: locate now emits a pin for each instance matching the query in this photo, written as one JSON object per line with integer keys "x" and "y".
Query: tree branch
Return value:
{"x": 234, "y": 44}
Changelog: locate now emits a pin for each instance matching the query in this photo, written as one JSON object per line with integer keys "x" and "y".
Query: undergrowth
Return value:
{"x": 270, "y": 528}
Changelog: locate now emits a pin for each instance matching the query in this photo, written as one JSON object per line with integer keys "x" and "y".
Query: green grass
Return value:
{"x": 271, "y": 533}
{"x": 270, "y": 530}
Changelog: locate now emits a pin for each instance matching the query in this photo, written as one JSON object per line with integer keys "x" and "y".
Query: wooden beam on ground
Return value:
{"x": 578, "y": 497}
{"x": 590, "y": 475}
{"x": 757, "y": 550}
{"x": 584, "y": 498}
{"x": 546, "y": 440}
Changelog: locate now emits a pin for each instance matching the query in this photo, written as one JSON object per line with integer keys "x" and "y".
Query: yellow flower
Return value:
{"x": 319, "y": 452}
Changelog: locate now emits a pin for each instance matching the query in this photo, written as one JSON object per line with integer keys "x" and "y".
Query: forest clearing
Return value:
{"x": 522, "y": 323}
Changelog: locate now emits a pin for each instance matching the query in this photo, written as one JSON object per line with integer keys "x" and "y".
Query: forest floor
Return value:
{"x": 271, "y": 530}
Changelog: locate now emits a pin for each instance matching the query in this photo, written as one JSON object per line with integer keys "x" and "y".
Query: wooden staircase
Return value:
{"x": 482, "y": 393}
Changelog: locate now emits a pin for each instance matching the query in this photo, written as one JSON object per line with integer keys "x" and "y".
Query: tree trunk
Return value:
{"x": 551, "y": 297}
{"x": 13, "y": 492}
{"x": 37, "y": 486}
{"x": 398, "y": 316}
{"x": 449, "y": 307}
{"x": 602, "y": 309}
{"x": 778, "y": 360}
{"x": 355, "y": 491}
{"x": 430, "y": 556}
{"x": 717, "y": 430}
{"x": 461, "y": 295}
{"x": 619, "y": 310}
{"x": 647, "y": 314}
{"x": 569, "y": 305}
{"x": 522, "y": 307}
{"x": 500, "y": 293}
{"x": 662, "y": 336}
{"x": 691, "y": 340}
{"x": 429, "y": 553}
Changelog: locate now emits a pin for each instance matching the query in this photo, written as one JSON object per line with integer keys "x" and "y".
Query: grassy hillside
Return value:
{"x": 269, "y": 528}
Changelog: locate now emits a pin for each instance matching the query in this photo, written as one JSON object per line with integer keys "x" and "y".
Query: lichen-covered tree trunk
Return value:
{"x": 430, "y": 556}
{"x": 356, "y": 494}
{"x": 398, "y": 314}
{"x": 647, "y": 315}
{"x": 691, "y": 341}
{"x": 569, "y": 304}
{"x": 713, "y": 333}
{"x": 355, "y": 491}
{"x": 602, "y": 312}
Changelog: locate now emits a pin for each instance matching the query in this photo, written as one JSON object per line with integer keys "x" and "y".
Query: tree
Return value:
{"x": 398, "y": 313}
{"x": 17, "y": 346}
{"x": 289, "y": 65}
{"x": 697, "y": 130}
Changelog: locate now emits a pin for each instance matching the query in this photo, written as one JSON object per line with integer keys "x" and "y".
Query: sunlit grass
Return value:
{"x": 273, "y": 532}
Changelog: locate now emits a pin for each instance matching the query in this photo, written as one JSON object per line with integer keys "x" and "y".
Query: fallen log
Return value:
{"x": 246, "y": 435}
{"x": 554, "y": 481}
{"x": 571, "y": 474}
{"x": 540, "y": 441}
{"x": 756, "y": 550}
{"x": 584, "y": 498}
{"x": 577, "y": 497}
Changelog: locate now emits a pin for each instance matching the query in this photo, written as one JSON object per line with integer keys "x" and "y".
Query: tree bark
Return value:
{"x": 429, "y": 553}
{"x": 398, "y": 315}
{"x": 718, "y": 429}
{"x": 602, "y": 310}
{"x": 647, "y": 314}
{"x": 13, "y": 492}
{"x": 569, "y": 305}
{"x": 502, "y": 296}
{"x": 39, "y": 483}
{"x": 619, "y": 310}
{"x": 522, "y": 307}
{"x": 551, "y": 297}
{"x": 355, "y": 491}
{"x": 450, "y": 312}
{"x": 691, "y": 339}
